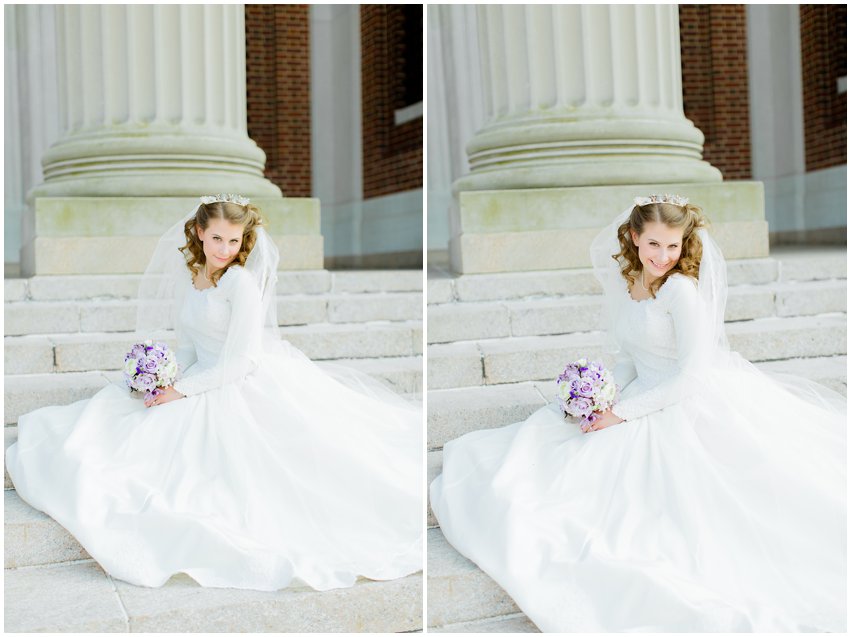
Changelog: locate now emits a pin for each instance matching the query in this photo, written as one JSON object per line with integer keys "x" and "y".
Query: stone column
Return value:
{"x": 455, "y": 107}
{"x": 583, "y": 95}
{"x": 152, "y": 102}
{"x": 584, "y": 112}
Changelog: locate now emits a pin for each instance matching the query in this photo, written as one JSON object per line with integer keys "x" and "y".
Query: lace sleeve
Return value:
{"x": 682, "y": 303}
{"x": 241, "y": 349}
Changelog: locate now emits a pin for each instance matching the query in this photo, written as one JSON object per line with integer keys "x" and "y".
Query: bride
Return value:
{"x": 256, "y": 468}
{"x": 710, "y": 497}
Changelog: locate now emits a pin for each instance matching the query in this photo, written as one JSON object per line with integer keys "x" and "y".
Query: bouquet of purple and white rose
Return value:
{"x": 149, "y": 366}
{"x": 585, "y": 388}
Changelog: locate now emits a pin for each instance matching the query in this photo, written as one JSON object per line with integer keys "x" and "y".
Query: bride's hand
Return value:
{"x": 166, "y": 395}
{"x": 604, "y": 419}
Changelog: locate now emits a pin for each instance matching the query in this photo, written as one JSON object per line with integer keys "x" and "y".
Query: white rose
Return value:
{"x": 167, "y": 370}
{"x": 130, "y": 366}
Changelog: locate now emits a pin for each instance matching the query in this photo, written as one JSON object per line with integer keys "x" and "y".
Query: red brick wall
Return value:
{"x": 713, "y": 49}
{"x": 823, "y": 60}
{"x": 277, "y": 57}
{"x": 392, "y": 155}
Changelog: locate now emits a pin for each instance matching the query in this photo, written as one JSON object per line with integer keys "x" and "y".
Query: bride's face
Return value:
{"x": 222, "y": 241}
{"x": 659, "y": 247}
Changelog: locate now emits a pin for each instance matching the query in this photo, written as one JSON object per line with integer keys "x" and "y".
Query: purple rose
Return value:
{"x": 146, "y": 382}
{"x": 586, "y": 389}
{"x": 581, "y": 406}
{"x": 150, "y": 365}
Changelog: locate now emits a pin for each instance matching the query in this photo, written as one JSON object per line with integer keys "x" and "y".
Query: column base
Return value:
{"x": 165, "y": 161}
{"x": 584, "y": 171}
{"x": 586, "y": 149}
{"x": 117, "y": 235}
{"x": 552, "y": 228}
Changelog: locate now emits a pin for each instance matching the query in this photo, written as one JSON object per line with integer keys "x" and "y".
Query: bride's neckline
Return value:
{"x": 629, "y": 292}
{"x": 629, "y": 296}
{"x": 197, "y": 289}
{"x": 649, "y": 298}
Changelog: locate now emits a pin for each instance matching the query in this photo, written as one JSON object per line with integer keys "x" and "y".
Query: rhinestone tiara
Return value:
{"x": 674, "y": 199}
{"x": 229, "y": 198}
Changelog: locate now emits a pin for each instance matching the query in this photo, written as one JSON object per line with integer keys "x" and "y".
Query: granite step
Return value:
{"x": 81, "y": 597}
{"x": 445, "y": 287}
{"x": 105, "y": 351}
{"x": 434, "y": 467}
{"x": 450, "y": 322}
{"x": 784, "y": 264}
{"x": 517, "y": 623}
{"x": 454, "y": 412}
{"x": 25, "y": 392}
{"x": 810, "y": 263}
{"x": 68, "y": 317}
{"x": 10, "y": 436}
{"x": 521, "y": 358}
{"x": 33, "y": 538}
{"x": 458, "y": 591}
{"x": 126, "y": 286}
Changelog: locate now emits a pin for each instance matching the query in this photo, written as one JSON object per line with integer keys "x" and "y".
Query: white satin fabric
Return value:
{"x": 272, "y": 472}
{"x": 718, "y": 505}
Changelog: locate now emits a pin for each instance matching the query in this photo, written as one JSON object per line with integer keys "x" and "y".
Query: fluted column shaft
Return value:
{"x": 152, "y": 102}
{"x": 582, "y": 95}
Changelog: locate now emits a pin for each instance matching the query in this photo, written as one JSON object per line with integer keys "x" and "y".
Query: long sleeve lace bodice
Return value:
{"x": 219, "y": 333}
{"x": 660, "y": 345}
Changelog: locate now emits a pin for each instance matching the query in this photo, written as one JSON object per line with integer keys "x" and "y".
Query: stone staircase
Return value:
{"x": 497, "y": 341}
{"x": 65, "y": 338}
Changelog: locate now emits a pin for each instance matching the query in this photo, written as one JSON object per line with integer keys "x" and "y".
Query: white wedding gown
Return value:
{"x": 719, "y": 505}
{"x": 264, "y": 473}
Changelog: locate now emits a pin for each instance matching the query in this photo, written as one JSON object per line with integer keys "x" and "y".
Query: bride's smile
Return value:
{"x": 659, "y": 249}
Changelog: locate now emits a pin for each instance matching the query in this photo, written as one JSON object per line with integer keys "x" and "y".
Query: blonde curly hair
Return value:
{"x": 247, "y": 216}
{"x": 688, "y": 217}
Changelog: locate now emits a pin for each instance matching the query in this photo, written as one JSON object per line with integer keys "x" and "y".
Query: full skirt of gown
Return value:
{"x": 285, "y": 474}
{"x": 724, "y": 512}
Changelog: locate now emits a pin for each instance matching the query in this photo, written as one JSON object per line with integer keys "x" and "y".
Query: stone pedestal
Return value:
{"x": 105, "y": 235}
{"x": 552, "y": 228}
